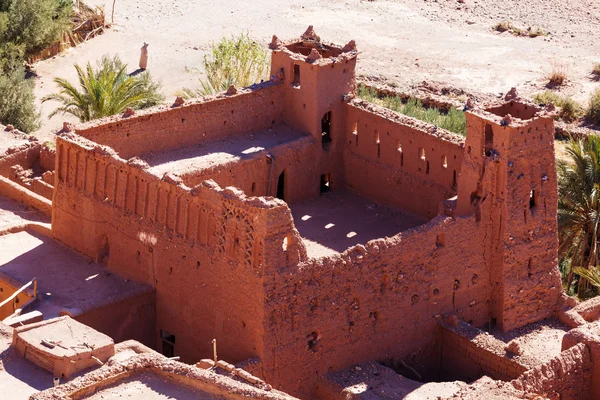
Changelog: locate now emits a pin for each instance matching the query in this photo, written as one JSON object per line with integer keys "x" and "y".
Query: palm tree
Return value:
{"x": 579, "y": 208}
{"x": 104, "y": 91}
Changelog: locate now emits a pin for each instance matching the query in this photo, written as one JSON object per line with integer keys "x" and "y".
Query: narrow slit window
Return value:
{"x": 444, "y": 161}
{"x": 326, "y": 129}
{"x": 532, "y": 199}
{"x": 489, "y": 140}
{"x": 422, "y": 153}
{"x": 378, "y": 142}
{"x": 168, "y": 343}
{"x": 325, "y": 184}
{"x": 296, "y": 81}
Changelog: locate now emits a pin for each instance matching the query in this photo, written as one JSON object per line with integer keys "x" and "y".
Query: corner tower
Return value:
{"x": 508, "y": 182}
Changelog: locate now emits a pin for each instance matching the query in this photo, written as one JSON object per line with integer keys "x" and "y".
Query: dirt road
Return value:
{"x": 405, "y": 40}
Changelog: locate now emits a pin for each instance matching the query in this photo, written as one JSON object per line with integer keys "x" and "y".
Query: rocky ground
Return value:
{"x": 404, "y": 41}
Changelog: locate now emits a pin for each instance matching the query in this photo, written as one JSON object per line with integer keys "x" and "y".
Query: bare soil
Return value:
{"x": 405, "y": 41}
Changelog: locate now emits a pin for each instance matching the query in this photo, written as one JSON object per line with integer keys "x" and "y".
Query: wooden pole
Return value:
{"x": 214, "y": 342}
{"x": 17, "y": 292}
{"x": 112, "y": 17}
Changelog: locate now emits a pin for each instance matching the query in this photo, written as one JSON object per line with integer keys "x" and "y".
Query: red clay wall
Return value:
{"x": 382, "y": 302}
{"x": 202, "y": 249}
{"x": 469, "y": 353}
{"x": 168, "y": 128}
{"x": 400, "y": 164}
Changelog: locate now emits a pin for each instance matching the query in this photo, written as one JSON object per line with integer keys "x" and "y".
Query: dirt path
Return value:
{"x": 405, "y": 40}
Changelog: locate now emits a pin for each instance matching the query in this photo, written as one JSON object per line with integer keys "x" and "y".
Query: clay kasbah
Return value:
{"x": 289, "y": 240}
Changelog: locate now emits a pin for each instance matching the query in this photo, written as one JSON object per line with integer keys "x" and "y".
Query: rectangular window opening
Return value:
{"x": 325, "y": 183}
{"x": 378, "y": 141}
{"x": 296, "y": 81}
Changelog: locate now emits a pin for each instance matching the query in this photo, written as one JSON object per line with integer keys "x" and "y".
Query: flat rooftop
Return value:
{"x": 149, "y": 385}
{"x": 187, "y": 160}
{"x": 65, "y": 279}
{"x": 337, "y": 220}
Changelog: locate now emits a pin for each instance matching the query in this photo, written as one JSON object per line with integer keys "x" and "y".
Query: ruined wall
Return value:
{"x": 567, "y": 376}
{"x": 201, "y": 248}
{"x": 8, "y": 286}
{"x": 469, "y": 353}
{"x": 379, "y": 302}
{"x": 209, "y": 119}
{"x": 398, "y": 161}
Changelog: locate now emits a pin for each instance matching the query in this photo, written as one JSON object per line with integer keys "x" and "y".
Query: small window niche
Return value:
{"x": 325, "y": 183}
{"x": 281, "y": 186}
{"x": 326, "y": 130}
{"x": 489, "y": 140}
{"x": 355, "y": 132}
{"x": 168, "y": 343}
{"x": 444, "y": 161}
{"x": 296, "y": 81}
{"x": 422, "y": 154}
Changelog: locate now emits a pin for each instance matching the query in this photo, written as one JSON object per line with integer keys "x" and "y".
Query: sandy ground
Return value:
{"x": 150, "y": 386}
{"x": 13, "y": 215}
{"x": 337, "y": 220}
{"x": 406, "y": 41}
{"x": 541, "y": 340}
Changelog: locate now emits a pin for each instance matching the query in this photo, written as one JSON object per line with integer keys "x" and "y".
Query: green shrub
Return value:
{"x": 593, "y": 112}
{"x": 35, "y": 24}
{"x": 105, "y": 90}
{"x": 453, "y": 120}
{"x": 17, "y": 101}
{"x": 238, "y": 61}
{"x": 570, "y": 110}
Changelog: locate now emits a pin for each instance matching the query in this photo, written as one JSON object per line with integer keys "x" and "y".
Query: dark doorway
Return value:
{"x": 281, "y": 186}
{"x": 168, "y": 344}
{"x": 326, "y": 129}
{"x": 325, "y": 184}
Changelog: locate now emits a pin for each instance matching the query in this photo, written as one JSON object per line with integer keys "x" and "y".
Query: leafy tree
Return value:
{"x": 579, "y": 208}
{"x": 105, "y": 90}
{"x": 17, "y": 101}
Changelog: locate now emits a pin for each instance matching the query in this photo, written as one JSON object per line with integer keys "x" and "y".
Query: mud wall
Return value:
{"x": 396, "y": 161}
{"x": 201, "y": 248}
{"x": 379, "y": 302}
{"x": 469, "y": 353}
{"x": 8, "y": 286}
{"x": 211, "y": 119}
{"x": 567, "y": 376}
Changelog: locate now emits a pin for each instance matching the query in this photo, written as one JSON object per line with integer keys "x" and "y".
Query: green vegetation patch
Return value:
{"x": 570, "y": 109}
{"x": 453, "y": 120}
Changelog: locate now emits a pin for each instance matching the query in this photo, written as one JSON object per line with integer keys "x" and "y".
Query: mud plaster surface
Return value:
{"x": 65, "y": 279}
{"x": 196, "y": 158}
{"x": 337, "y": 220}
{"x": 19, "y": 377}
{"x": 150, "y": 386}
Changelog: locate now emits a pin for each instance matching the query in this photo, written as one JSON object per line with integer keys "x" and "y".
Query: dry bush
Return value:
{"x": 596, "y": 70}
{"x": 557, "y": 75}
{"x": 570, "y": 110}
{"x": 593, "y": 112}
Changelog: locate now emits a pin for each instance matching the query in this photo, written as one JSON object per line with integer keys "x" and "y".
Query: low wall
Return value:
{"x": 399, "y": 161}
{"x": 25, "y": 155}
{"x": 167, "y": 128}
{"x": 469, "y": 353}
{"x": 8, "y": 286}
{"x": 25, "y": 196}
{"x": 381, "y": 301}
